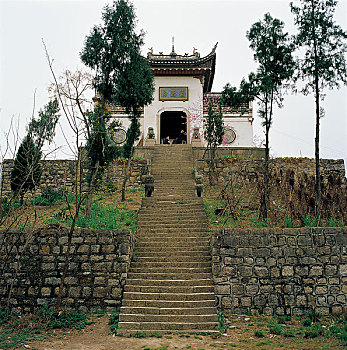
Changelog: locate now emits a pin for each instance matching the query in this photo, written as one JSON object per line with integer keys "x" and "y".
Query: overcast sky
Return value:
{"x": 194, "y": 23}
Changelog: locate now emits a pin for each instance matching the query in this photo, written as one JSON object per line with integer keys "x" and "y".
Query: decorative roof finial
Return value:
{"x": 173, "y": 46}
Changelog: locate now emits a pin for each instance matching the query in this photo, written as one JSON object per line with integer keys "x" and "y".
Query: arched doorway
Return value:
{"x": 171, "y": 124}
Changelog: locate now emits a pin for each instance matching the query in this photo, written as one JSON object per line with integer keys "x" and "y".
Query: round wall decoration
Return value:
{"x": 119, "y": 136}
{"x": 229, "y": 135}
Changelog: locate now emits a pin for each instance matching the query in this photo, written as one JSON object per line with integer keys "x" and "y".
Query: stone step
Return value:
{"x": 163, "y": 246}
{"x": 167, "y": 326}
{"x": 165, "y": 304}
{"x": 173, "y": 235}
{"x": 149, "y": 255}
{"x": 170, "y": 283}
{"x": 173, "y": 219}
{"x": 142, "y": 318}
{"x": 179, "y": 250}
{"x": 165, "y": 203}
{"x": 170, "y": 265}
{"x": 168, "y": 296}
{"x": 172, "y": 239}
{"x": 172, "y": 228}
{"x": 193, "y": 257}
{"x": 169, "y": 276}
{"x": 169, "y": 289}
{"x": 154, "y": 211}
{"x": 169, "y": 311}
{"x": 167, "y": 269}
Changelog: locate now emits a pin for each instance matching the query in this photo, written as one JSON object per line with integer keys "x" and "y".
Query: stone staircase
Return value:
{"x": 169, "y": 286}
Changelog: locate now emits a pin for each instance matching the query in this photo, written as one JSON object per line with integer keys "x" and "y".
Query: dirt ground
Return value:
{"x": 239, "y": 335}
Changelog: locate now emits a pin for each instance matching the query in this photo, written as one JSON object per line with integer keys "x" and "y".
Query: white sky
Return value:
{"x": 194, "y": 23}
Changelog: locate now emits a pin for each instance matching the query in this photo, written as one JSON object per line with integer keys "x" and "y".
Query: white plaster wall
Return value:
{"x": 125, "y": 123}
{"x": 153, "y": 111}
{"x": 243, "y": 129}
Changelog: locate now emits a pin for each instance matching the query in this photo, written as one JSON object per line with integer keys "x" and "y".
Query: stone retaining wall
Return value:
{"x": 61, "y": 174}
{"x": 227, "y": 166}
{"x": 98, "y": 268}
{"x": 281, "y": 271}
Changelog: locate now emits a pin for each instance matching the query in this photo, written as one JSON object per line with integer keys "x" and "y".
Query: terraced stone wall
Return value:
{"x": 61, "y": 174}
{"x": 98, "y": 268}
{"x": 280, "y": 271}
{"x": 227, "y": 166}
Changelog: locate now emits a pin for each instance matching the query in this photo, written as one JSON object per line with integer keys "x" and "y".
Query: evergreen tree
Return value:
{"x": 213, "y": 132}
{"x": 122, "y": 75}
{"x": 324, "y": 61}
{"x": 43, "y": 128}
{"x": 273, "y": 53}
{"x": 26, "y": 171}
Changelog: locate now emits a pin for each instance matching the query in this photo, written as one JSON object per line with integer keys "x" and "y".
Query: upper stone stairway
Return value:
{"x": 169, "y": 286}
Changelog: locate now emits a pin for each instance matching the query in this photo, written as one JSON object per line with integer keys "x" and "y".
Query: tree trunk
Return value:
{"x": 91, "y": 190}
{"x": 67, "y": 259}
{"x": 125, "y": 179}
{"x": 316, "y": 145}
{"x": 266, "y": 176}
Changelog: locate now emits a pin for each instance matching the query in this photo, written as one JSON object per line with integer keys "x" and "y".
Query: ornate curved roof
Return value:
{"x": 191, "y": 65}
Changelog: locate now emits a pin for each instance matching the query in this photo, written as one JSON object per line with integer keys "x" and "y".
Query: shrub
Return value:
{"x": 63, "y": 319}
{"x": 287, "y": 222}
{"x": 275, "y": 328}
{"x": 139, "y": 335}
{"x": 258, "y": 334}
{"x": 3, "y": 316}
{"x": 306, "y": 322}
{"x": 5, "y": 207}
{"x": 314, "y": 330}
{"x": 310, "y": 221}
{"x": 49, "y": 196}
{"x": 283, "y": 319}
{"x": 289, "y": 332}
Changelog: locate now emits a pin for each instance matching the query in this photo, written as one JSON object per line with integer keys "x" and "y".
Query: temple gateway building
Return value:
{"x": 182, "y": 95}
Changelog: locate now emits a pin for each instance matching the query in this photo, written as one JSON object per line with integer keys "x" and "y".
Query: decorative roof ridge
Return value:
{"x": 173, "y": 57}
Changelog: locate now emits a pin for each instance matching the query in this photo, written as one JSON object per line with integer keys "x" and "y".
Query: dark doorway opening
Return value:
{"x": 171, "y": 124}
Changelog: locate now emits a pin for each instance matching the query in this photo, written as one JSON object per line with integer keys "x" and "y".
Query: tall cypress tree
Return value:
{"x": 273, "y": 53}
{"x": 26, "y": 171}
{"x": 122, "y": 75}
{"x": 324, "y": 61}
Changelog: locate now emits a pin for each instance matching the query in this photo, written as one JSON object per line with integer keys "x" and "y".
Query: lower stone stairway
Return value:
{"x": 169, "y": 286}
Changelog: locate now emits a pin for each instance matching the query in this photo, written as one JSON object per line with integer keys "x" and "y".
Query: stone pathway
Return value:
{"x": 169, "y": 286}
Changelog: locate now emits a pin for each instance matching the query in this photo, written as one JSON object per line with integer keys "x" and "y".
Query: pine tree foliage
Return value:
{"x": 273, "y": 51}
{"x": 101, "y": 151}
{"x": 43, "y": 128}
{"x": 323, "y": 64}
{"x": 122, "y": 75}
{"x": 26, "y": 171}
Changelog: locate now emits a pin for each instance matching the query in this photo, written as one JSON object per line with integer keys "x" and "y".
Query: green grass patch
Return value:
{"x": 17, "y": 330}
{"x": 113, "y": 321}
{"x": 103, "y": 217}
